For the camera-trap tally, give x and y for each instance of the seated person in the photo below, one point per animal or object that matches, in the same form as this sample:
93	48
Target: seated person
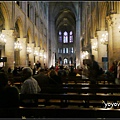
62	72
29	86
54	79
42	78
9	95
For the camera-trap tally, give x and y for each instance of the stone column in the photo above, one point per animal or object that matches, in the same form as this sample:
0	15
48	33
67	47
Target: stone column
42	58
115	20
9	48
102	49
94	52
31	55
53	43
23	52
37	56
77	48
110	42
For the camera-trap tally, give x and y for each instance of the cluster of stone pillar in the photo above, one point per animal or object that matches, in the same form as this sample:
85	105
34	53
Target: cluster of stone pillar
19	58
110	49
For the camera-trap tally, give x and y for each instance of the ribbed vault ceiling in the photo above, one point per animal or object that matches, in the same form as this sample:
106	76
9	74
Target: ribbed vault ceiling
65	20
64	13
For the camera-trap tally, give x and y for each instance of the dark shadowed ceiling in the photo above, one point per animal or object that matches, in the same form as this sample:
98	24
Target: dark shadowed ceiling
64	14
65	20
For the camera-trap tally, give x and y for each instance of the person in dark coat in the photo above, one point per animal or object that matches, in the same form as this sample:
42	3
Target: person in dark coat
9	95
93	69
54	78
41	78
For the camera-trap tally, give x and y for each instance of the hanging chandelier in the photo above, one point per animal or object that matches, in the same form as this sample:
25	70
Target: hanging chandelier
36	53
40	54
84	54
29	50
95	46
17	46
104	39
2	39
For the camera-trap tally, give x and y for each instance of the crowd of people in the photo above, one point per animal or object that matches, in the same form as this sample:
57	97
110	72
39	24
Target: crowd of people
33	83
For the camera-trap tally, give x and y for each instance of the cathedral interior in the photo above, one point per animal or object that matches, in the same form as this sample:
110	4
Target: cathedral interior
59	33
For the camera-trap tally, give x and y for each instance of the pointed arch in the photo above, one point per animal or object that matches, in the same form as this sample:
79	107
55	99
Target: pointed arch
20	25
6	15
29	35
36	40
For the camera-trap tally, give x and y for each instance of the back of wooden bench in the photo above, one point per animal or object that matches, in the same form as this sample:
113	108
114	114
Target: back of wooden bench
64	100
93	90
79	79
51	112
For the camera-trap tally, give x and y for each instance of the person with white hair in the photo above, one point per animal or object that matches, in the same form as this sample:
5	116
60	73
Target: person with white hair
30	85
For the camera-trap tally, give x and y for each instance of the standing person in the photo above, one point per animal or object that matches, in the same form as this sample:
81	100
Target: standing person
117	81
113	70
9	70
93	70
29	64
38	66
56	68
61	72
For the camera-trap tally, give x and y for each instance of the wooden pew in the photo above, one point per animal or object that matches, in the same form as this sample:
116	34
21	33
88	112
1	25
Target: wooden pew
82	84
79	79
18	84
74	87
90	85
51	112
64	100
80	90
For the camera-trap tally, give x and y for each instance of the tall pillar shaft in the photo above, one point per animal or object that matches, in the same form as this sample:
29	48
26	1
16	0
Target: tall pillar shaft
42	58
9	48
77	43
110	42
94	52
31	55
102	49
53	43
115	18
37	56
23	52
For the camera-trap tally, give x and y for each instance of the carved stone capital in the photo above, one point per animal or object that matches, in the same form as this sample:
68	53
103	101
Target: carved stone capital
113	19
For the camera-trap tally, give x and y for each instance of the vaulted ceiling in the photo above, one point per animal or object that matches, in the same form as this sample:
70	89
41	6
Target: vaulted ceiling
65	20
64	14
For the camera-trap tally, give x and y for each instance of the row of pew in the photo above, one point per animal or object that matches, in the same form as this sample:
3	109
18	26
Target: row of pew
75	98
62	105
